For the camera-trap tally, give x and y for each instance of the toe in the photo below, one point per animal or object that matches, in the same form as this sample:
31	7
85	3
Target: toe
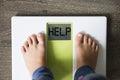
41	38
23	49
26	45
79	39
89	41
29	41
85	39
94	45
34	39
97	48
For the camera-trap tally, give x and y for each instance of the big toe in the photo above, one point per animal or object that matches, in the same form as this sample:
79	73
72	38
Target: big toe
41	38
79	39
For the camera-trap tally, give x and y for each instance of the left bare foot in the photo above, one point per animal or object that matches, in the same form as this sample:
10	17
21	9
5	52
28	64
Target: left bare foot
33	51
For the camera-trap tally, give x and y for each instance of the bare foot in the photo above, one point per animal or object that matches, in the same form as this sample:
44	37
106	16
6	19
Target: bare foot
86	51
33	51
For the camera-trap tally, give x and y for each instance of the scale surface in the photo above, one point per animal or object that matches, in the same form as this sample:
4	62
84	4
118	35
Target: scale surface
60	34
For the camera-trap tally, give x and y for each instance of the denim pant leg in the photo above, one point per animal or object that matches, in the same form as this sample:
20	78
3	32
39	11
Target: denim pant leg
94	76
42	73
86	73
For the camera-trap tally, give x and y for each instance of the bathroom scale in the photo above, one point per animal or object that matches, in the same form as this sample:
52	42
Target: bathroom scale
60	32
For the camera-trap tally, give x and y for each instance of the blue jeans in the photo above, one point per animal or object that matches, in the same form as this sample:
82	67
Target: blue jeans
83	73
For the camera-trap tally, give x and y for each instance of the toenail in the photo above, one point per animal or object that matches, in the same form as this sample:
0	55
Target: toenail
79	35
39	34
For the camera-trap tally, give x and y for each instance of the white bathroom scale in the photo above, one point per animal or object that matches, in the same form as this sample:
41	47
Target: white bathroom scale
60	32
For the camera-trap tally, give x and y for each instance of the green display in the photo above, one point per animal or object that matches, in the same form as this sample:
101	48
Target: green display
59	31
60	50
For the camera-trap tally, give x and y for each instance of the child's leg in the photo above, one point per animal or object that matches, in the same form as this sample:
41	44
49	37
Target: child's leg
42	73
87	73
34	56
86	53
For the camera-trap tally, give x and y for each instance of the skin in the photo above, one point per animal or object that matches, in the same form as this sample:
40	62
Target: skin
33	51
86	51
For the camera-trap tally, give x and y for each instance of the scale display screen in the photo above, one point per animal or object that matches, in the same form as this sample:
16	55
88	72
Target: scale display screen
59	31
60	49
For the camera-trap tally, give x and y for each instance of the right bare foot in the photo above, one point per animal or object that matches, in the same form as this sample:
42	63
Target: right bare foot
86	51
